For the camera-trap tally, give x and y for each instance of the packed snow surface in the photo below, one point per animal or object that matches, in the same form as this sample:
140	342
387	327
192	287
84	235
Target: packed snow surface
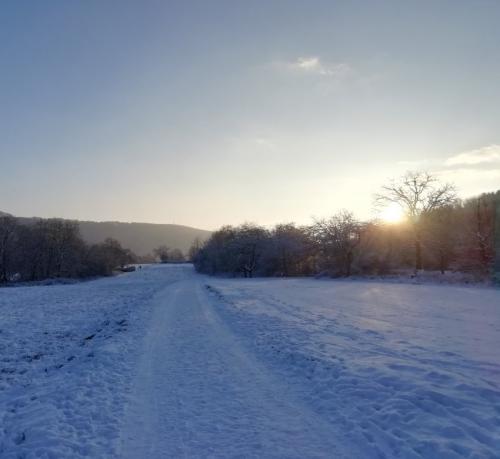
164	363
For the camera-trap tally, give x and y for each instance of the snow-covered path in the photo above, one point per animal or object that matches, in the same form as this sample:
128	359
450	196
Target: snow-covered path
199	393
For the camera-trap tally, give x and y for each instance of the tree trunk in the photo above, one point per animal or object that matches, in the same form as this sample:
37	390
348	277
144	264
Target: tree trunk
284	264
3	259
442	262
349	260
3	267
418	255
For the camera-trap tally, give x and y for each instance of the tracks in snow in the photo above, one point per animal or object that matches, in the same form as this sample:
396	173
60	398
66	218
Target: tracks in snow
199	393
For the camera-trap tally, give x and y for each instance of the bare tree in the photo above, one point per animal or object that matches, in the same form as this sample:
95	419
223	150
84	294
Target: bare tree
484	230
289	250
65	246
478	233
233	250
337	239
417	193
496	267
163	253
105	257
194	249
439	228
8	227
248	247
176	256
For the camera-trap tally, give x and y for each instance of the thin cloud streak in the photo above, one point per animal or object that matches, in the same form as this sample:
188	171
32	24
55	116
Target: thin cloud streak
314	65
488	154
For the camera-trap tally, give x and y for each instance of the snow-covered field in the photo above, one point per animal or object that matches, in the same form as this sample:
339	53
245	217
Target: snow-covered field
67	355
402	370
165	363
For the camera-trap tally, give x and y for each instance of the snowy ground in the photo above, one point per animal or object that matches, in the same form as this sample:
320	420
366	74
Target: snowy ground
165	363
401	370
67	356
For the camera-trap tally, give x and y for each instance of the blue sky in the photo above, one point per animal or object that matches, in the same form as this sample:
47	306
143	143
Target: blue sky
205	113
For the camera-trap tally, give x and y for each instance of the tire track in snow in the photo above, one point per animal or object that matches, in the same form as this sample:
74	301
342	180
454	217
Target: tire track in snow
198	393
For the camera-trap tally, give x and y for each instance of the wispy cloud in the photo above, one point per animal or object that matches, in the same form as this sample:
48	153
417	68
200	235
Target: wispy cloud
485	155
470	181
474	171
307	63
314	65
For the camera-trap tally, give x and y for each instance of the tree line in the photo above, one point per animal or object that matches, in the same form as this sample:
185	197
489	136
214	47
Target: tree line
438	232
53	248
165	254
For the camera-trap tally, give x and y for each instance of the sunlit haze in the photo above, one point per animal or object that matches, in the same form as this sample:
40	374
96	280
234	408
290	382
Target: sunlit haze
211	113
392	213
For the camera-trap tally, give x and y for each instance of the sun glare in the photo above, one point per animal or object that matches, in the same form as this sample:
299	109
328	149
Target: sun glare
392	214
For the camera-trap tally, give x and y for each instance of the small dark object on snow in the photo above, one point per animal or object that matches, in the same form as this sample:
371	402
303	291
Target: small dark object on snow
127	269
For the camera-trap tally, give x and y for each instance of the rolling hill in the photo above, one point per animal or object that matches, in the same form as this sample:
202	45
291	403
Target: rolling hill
141	238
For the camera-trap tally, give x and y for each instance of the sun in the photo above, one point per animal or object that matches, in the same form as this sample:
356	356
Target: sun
392	213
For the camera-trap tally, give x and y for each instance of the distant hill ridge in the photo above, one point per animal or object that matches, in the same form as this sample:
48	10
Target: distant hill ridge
141	238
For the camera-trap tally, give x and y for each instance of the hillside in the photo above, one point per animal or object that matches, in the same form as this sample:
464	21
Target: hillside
141	238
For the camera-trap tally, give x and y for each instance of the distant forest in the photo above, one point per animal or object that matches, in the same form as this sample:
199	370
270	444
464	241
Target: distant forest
53	248
438	232
38	249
